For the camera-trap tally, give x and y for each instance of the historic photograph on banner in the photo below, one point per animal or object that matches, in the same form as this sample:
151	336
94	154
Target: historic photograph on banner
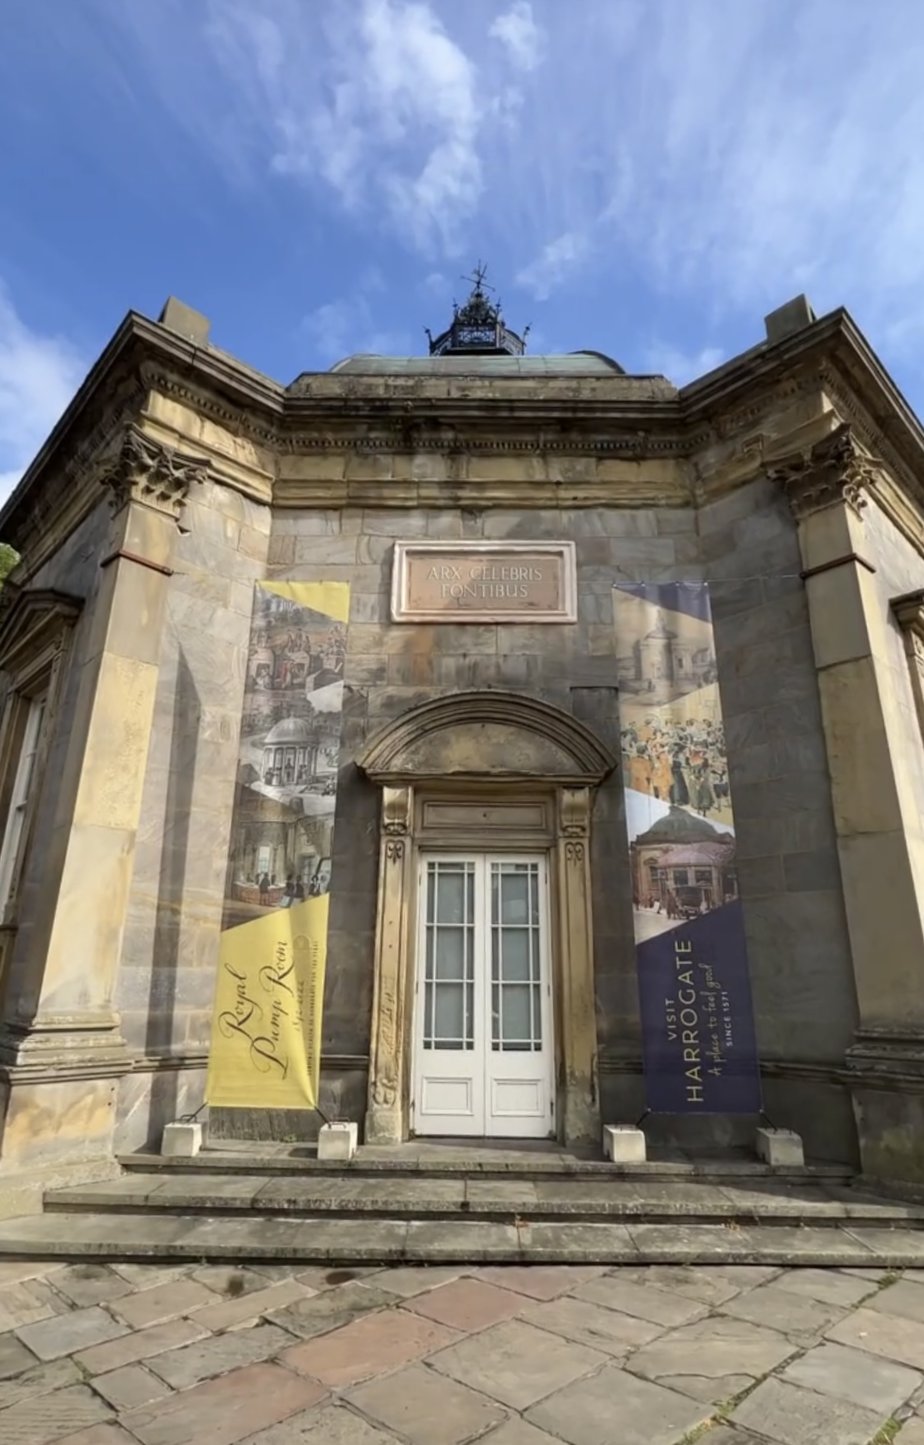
697	1022
267	1019
290	745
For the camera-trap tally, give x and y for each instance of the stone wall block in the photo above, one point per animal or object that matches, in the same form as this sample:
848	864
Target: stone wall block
318	551
374	577
800	975
472	638
552	641
524	468
445	525
763	875
592	551
376	551
596	608
631	553
133	630
571	469
281	552
254	543
369	607
674	521
803	830
812	872
365	671
529	525
400	522
746	501
306	522
210	525
314	466
763	527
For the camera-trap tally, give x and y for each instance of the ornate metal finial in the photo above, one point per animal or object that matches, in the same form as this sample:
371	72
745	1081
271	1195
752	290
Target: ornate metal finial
477	278
478	327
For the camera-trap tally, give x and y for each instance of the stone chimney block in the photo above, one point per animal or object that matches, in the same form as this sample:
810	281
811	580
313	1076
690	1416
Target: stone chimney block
787	320
179	317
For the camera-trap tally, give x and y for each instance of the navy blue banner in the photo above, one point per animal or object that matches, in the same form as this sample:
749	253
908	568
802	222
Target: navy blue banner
699	1047
698	1041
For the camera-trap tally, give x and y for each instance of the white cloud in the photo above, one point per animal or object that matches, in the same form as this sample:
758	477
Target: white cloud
517	30
554	264
346	325
720	157
679	365
375	99
38	377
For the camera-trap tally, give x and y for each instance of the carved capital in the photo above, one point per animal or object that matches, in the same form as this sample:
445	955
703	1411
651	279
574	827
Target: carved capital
396	811
146	471
833	471
574	812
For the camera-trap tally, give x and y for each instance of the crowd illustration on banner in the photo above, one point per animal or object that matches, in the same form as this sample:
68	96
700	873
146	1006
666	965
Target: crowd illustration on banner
681	762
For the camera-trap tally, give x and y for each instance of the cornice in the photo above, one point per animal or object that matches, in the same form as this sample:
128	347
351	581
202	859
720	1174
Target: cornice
345	417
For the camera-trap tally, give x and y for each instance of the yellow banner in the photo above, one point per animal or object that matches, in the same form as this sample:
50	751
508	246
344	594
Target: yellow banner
266	1029
331	598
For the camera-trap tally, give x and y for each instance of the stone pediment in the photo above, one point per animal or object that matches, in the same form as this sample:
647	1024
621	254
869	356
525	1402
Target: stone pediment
498	735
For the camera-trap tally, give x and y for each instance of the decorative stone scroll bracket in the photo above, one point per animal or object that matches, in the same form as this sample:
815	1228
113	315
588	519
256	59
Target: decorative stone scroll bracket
908	612
157	476
833	470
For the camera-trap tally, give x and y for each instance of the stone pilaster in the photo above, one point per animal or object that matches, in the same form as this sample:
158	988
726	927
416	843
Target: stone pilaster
60	1047
578	1099
388	1053
882	889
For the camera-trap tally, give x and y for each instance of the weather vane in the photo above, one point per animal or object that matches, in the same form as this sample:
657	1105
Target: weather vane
477	279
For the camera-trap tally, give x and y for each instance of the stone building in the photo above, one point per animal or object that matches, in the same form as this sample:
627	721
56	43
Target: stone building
477	747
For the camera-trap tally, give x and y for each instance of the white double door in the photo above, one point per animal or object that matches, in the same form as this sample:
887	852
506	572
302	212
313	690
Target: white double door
483	1054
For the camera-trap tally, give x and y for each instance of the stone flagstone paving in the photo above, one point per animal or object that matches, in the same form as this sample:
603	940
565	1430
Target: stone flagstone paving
130	1354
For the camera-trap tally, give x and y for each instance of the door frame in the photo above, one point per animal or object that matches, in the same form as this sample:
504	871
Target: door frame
487	857
490	770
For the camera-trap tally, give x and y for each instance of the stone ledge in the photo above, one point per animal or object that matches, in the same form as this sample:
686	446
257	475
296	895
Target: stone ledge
497	1201
176	1237
255	1157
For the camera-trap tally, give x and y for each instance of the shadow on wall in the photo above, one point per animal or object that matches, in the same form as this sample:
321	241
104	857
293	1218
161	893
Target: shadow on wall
160	1045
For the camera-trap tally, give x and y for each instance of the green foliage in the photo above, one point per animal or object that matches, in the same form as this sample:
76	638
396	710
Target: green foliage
887	1434
8	560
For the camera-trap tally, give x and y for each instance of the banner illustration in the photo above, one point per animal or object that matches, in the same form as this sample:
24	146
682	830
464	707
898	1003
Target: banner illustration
266	1024
698	1040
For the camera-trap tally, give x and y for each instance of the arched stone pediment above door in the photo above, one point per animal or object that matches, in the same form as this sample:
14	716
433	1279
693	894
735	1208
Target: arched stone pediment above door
502	736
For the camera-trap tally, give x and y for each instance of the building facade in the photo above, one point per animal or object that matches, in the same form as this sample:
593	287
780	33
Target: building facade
444	764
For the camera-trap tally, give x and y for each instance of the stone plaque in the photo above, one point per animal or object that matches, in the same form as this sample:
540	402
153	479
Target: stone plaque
483	582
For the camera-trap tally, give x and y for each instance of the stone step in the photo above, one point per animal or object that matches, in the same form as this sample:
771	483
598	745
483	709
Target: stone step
486	1163
499	1200
147	1235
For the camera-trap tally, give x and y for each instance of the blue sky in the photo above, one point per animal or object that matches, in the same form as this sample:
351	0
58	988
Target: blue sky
644	177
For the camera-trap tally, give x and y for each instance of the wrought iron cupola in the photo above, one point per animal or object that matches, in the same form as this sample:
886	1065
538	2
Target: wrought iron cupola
478	327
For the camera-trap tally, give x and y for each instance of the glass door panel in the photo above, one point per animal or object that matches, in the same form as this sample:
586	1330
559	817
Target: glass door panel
449	978
516	961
